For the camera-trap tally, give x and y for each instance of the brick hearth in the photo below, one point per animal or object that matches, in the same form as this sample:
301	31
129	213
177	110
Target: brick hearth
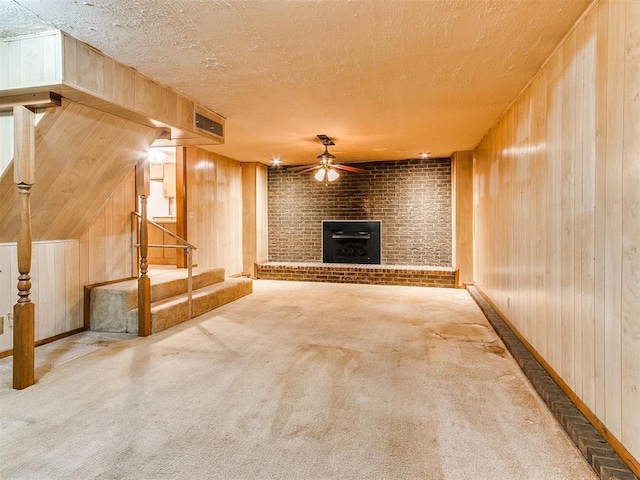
422	276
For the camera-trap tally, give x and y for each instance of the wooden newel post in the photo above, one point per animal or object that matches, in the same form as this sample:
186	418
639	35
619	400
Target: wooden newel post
144	282
24	310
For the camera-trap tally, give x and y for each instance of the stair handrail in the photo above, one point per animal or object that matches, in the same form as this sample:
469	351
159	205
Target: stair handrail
177	237
188	249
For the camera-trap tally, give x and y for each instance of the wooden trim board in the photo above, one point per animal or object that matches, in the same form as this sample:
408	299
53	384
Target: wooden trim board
622	452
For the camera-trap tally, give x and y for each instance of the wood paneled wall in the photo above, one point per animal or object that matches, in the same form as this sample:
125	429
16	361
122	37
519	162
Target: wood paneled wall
82	154
262	214
254	216
31	60
462	213
214	210
6	140
557	215
105	247
56	289
162	256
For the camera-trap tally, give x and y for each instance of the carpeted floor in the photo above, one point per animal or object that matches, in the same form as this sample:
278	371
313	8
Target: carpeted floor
296	381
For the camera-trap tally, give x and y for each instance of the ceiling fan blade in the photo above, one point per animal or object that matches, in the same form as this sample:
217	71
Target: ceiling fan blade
302	168
350	169
309	169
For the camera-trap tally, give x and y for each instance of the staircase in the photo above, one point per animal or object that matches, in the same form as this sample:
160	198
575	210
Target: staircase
114	308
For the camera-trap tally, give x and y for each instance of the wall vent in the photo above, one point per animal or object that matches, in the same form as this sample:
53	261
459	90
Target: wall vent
209	125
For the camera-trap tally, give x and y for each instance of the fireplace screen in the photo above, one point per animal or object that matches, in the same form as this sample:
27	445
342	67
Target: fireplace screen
351	242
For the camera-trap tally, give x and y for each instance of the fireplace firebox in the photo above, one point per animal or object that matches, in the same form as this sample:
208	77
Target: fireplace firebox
351	241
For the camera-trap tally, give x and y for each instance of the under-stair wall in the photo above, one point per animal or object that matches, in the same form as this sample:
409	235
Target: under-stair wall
60	269
557	216
105	246
82	154
81	204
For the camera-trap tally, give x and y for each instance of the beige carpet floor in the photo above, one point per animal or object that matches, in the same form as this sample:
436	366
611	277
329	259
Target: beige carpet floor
296	381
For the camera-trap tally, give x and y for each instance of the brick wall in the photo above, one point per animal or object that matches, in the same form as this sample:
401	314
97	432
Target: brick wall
412	198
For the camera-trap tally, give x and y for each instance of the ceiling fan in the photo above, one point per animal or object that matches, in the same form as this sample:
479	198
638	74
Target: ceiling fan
327	171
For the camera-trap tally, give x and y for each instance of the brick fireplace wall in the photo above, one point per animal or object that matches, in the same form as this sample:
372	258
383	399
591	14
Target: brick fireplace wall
412	198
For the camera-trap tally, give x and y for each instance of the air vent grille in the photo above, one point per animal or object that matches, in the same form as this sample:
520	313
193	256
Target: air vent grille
209	125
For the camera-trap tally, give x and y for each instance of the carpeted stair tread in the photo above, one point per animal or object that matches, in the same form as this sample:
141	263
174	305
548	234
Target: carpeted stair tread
111	304
162	289
174	310
197	293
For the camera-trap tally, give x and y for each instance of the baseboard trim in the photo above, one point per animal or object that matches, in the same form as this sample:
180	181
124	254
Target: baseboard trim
621	466
44	341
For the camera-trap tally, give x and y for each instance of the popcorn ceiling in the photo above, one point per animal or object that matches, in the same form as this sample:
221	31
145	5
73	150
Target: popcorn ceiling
386	79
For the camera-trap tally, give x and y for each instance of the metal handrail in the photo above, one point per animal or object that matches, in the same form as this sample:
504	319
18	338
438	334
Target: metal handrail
180	239
188	249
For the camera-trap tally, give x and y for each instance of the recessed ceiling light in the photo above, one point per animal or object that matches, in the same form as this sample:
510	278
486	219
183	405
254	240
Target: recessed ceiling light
275	160
425	154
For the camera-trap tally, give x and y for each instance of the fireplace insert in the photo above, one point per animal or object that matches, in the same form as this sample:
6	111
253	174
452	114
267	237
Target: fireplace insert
351	241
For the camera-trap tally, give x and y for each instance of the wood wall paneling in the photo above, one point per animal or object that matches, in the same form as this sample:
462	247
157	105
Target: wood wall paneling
56	289
613	218
462	213
262	247
30	60
214	209
4	63
630	342
249	218
6	140
600	212
8	291
133	143
557	217
254	216
585	323
181	203
162	256
82	154
106	247
120	90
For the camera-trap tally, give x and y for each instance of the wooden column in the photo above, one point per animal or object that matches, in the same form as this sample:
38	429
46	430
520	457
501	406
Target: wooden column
462	211
144	282
24	310
181	203
254	216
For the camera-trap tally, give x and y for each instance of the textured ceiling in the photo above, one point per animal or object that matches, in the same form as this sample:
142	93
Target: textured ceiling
387	79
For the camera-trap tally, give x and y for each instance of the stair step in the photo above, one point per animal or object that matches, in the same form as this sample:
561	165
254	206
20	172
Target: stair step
165	287
174	310
111	303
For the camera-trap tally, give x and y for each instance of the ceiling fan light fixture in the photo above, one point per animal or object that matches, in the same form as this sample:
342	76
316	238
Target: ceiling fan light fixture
332	175
327	171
